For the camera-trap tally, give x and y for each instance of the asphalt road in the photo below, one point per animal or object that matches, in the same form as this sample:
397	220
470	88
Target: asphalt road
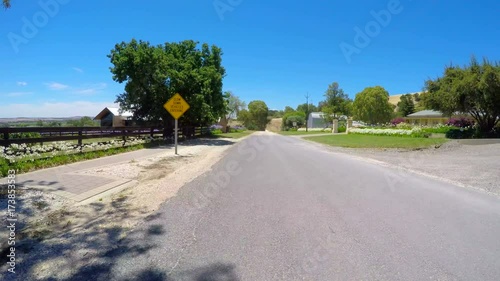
281	208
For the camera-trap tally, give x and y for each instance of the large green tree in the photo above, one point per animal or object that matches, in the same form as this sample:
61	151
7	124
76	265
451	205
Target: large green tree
372	106
472	89
255	118
307	108
153	74
406	106
336	103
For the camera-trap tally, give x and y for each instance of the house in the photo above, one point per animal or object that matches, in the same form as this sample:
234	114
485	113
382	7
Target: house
426	118
111	117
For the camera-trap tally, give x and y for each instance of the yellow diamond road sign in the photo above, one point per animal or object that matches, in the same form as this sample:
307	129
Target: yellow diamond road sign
176	106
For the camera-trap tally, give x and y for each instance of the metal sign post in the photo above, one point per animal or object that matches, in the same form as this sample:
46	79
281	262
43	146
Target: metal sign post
176	106
176	134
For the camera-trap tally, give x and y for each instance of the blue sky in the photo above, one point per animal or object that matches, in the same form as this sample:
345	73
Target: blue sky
276	51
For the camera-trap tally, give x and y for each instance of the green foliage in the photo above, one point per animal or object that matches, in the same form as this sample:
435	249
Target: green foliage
24	135
460	133
83	122
299	121
416	97
43	163
153	74
473	89
255	118
276	113
307	108
371	141
372	106
290	117
234	105
336	103
439	129
406	106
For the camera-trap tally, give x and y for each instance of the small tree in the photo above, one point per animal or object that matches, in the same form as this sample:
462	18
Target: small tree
336	103
255	118
372	106
406	106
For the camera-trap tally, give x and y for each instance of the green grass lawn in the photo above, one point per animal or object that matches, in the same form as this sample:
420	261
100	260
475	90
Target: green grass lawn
367	141
299	133
237	135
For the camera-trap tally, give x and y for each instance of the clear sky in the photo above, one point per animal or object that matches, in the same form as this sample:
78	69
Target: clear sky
54	58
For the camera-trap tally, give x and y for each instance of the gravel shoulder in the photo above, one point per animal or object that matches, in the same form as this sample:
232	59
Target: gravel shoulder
471	166
62	236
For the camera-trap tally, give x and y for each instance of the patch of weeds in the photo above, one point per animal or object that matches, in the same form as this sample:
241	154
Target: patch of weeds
56	216
39	233
41	205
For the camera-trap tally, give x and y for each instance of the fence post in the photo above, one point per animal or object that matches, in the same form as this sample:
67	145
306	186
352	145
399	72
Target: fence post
6	138
80	137
123	137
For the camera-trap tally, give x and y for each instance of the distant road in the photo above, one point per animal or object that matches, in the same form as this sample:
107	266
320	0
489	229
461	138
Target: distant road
292	210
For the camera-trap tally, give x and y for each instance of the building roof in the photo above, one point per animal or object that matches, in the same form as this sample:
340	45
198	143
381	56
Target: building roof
316	115
113	110
426	114
319	115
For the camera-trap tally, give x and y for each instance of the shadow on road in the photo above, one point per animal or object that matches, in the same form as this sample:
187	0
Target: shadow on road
91	252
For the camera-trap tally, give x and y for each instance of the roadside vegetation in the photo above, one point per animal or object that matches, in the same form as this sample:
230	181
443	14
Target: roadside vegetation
303	132
232	134
25	158
372	141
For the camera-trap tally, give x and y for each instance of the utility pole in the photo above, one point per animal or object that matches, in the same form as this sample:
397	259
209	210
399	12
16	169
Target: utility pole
307	110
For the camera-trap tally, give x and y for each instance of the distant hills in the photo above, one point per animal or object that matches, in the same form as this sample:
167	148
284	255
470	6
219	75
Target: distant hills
35	119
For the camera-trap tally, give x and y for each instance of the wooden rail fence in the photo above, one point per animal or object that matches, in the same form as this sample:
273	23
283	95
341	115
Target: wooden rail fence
9	136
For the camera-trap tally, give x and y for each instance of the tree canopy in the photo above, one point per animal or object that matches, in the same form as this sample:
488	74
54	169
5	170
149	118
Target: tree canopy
406	106
255	118
473	89
307	108
372	106
336	103
234	105
153	74
6	4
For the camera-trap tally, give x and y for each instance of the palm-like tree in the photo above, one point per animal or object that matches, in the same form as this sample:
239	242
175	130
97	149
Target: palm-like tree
6	4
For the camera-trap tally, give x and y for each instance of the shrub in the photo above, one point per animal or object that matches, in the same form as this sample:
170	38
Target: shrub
439	129
216	131
460	122
397	121
460	133
342	129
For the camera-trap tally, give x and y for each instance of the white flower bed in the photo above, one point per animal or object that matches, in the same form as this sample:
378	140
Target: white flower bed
18	152
385	132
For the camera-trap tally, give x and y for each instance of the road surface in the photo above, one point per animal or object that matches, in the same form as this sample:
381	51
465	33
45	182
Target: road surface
281	208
